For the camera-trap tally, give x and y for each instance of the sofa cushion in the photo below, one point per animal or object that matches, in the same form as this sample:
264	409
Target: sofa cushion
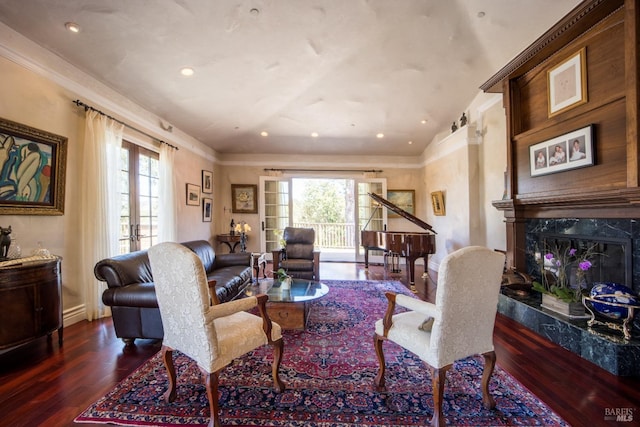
230	281
205	252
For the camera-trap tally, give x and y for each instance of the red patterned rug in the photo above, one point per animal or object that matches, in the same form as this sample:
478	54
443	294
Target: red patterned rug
329	371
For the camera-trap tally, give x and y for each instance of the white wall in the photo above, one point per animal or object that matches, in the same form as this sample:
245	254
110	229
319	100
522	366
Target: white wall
468	166
41	97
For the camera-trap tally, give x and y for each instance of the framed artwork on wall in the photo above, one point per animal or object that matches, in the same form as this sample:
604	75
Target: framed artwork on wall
207	205
193	195
207	182
565	152
404	199
32	170
437	201
567	83
244	198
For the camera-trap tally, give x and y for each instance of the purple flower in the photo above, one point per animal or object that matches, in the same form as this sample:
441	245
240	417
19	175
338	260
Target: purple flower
585	265
572	251
549	256
558	263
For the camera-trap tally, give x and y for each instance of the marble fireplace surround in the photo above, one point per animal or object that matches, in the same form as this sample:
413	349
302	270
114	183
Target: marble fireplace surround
601	346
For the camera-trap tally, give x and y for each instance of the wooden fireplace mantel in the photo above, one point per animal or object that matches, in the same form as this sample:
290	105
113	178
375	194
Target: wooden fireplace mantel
607	30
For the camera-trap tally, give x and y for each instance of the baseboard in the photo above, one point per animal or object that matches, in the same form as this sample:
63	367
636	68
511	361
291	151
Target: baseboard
74	315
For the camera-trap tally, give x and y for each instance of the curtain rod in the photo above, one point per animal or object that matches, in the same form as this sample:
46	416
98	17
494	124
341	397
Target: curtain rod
320	170
89	107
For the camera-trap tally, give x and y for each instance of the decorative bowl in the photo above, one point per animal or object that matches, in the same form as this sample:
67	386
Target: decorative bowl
604	293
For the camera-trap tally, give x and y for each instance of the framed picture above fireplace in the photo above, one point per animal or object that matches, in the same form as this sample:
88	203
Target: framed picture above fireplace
565	152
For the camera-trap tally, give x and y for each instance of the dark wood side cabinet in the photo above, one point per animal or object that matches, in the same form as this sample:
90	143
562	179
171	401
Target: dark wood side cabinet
30	302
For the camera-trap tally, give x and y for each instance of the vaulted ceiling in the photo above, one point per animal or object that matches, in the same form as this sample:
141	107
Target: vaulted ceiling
344	69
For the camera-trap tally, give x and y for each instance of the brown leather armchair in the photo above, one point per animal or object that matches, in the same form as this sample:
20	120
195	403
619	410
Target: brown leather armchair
299	259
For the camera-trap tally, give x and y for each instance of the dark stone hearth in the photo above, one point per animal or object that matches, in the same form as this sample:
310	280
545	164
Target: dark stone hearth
602	346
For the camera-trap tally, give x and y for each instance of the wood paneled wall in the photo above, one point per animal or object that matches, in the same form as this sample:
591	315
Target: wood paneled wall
608	31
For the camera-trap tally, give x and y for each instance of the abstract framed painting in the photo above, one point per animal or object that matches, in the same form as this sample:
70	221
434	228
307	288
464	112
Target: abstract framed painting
32	170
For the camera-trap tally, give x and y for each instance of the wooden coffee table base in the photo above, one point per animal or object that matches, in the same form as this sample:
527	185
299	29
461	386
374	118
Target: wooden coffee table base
289	315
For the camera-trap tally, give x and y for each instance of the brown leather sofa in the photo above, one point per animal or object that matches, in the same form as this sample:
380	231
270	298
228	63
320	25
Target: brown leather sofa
131	292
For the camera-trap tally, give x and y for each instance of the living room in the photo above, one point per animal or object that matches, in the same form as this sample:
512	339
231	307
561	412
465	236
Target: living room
470	165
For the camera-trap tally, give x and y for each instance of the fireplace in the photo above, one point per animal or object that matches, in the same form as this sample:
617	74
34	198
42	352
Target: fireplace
617	241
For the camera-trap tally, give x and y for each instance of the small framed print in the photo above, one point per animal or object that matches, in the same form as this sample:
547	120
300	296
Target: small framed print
193	195
565	152
437	201
207	205
244	198
567	83
207	182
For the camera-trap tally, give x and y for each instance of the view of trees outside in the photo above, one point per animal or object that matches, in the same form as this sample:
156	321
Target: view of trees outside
320	202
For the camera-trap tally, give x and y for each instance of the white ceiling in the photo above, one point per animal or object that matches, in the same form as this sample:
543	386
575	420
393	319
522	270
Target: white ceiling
346	69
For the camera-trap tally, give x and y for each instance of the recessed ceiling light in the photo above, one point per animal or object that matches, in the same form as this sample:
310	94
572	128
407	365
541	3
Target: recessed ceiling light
423	122
254	11
72	26
187	71
380	135
264	133
410	142
314	134
481	14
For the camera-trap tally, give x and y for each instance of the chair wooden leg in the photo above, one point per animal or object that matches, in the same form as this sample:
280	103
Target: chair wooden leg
167	357
211	384
489	365
379	380
439	376
275	366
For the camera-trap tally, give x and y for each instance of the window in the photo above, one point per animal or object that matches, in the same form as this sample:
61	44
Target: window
139	192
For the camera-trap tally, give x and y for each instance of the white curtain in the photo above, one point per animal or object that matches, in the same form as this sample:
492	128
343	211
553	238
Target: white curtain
99	205
168	212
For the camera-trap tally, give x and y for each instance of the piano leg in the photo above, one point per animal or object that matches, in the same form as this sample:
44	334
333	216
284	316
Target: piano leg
411	272
366	258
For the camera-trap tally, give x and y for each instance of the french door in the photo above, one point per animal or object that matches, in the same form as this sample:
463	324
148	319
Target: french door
277	212
139	196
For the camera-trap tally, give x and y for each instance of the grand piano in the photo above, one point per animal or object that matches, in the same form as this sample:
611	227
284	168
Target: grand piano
409	245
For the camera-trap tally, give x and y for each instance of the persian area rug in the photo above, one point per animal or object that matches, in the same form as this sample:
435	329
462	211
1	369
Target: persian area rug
329	371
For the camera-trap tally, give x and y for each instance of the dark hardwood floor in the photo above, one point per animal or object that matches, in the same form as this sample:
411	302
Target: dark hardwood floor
44	385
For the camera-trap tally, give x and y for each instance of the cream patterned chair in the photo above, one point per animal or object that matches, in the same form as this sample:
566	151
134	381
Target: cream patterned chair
458	325
212	335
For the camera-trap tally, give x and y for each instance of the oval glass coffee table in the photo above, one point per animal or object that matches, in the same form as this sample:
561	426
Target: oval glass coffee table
289	307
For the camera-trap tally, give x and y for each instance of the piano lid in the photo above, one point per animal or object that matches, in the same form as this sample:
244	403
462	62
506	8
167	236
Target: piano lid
401	212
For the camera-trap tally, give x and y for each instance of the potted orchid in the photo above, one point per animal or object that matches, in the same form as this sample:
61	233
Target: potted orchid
563	271
283	278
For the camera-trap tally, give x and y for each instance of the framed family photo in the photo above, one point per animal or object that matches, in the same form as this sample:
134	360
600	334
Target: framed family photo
567	83
32	170
565	152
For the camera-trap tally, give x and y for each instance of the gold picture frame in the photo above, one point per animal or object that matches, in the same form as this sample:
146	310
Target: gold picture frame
437	201
567	83
41	158
404	199
244	198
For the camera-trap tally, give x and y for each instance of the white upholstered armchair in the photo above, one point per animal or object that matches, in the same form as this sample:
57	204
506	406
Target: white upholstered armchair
458	325
212	335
